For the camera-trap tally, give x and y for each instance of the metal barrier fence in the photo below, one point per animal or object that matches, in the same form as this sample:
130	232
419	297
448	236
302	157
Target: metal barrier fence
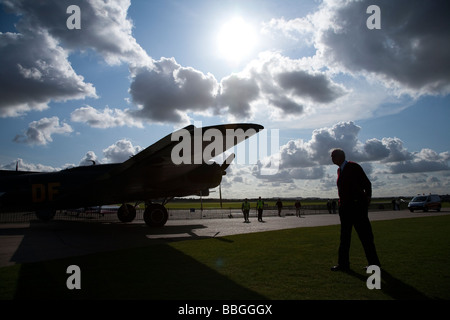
110	215
174	214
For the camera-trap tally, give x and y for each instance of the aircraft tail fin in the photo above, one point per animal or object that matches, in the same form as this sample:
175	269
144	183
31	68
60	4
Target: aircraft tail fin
160	152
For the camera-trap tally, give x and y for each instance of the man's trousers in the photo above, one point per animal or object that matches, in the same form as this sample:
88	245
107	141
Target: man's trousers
355	215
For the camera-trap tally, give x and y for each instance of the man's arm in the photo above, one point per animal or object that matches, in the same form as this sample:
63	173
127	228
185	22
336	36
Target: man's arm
366	185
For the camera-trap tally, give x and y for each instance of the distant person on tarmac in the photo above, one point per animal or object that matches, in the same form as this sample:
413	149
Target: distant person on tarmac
333	206
329	206
260	208
246	210
279	205
298	207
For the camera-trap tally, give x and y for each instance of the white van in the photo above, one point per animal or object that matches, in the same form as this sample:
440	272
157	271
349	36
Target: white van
425	203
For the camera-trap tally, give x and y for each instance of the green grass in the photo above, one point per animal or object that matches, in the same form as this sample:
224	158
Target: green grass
283	265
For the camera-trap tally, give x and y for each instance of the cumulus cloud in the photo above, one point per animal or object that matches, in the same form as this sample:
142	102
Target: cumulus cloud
120	151
299	159
409	52
237	93
35	67
291	84
396	150
163	90
105	27
89	159
108	118
22	165
313	86
34	71
426	160
167	90
40	132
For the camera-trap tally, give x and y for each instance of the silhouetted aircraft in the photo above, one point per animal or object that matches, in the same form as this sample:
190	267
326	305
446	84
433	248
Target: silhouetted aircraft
177	165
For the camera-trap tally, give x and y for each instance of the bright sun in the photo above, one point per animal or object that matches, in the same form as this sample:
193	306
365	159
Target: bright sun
236	40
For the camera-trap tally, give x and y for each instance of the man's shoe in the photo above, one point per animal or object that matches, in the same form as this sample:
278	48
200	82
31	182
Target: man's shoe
340	268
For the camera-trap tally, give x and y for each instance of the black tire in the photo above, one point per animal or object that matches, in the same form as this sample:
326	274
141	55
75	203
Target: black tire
155	215
46	214
126	213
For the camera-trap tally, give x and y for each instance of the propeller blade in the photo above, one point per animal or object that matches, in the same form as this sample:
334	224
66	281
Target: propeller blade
227	163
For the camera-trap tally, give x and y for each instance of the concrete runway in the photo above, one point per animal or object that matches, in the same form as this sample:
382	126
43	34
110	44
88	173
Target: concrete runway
39	241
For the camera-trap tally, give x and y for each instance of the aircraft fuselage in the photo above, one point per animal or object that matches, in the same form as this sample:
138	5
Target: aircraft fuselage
91	186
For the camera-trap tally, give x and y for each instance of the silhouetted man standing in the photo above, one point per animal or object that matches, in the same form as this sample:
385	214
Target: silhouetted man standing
355	193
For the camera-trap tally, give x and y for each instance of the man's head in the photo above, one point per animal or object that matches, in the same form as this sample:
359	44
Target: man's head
337	156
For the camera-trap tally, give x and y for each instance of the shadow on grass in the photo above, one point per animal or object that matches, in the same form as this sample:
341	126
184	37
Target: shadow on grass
144	268
399	290
393	287
156	272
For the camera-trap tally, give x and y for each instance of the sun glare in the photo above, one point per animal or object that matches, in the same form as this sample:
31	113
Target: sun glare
236	40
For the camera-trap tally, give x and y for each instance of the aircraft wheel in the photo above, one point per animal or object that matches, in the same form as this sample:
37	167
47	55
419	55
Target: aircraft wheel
155	215
126	213
45	215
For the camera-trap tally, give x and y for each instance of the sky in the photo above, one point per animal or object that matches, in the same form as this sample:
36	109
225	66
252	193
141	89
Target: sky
107	79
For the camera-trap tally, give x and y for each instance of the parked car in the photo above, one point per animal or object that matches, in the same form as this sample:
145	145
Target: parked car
425	203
